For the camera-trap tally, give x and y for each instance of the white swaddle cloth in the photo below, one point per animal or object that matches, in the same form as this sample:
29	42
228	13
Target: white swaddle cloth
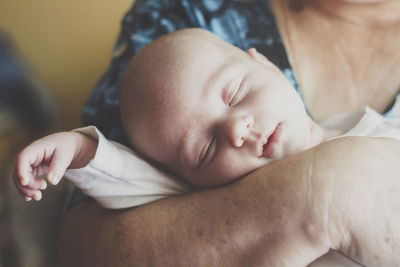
117	177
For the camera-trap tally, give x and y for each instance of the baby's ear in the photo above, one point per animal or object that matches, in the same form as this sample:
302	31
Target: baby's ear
254	54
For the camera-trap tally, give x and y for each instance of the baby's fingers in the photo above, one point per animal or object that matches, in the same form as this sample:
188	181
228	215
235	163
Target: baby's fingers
29	193
23	171
21	177
58	165
37	184
32	188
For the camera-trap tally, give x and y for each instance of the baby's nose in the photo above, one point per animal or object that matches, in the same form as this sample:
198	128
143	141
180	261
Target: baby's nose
238	129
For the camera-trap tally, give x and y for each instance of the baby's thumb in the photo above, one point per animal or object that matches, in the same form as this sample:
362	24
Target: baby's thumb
58	165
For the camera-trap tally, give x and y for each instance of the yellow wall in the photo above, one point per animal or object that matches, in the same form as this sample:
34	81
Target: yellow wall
67	44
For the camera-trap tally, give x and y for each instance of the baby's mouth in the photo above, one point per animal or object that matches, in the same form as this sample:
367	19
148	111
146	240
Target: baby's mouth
272	142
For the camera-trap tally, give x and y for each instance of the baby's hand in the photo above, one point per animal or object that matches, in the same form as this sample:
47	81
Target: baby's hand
52	154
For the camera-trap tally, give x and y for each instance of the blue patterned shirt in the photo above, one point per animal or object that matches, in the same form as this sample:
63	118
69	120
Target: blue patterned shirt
243	23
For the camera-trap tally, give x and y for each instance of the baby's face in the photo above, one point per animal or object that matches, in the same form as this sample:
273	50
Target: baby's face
219	114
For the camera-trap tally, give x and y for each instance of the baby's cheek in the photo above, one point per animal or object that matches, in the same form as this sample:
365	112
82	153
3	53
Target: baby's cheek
215	175
229	171
225	168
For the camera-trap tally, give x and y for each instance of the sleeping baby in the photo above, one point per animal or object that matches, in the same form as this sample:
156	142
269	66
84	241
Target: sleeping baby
198	113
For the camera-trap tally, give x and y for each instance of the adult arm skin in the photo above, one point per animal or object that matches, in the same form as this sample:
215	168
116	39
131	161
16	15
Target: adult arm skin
286	214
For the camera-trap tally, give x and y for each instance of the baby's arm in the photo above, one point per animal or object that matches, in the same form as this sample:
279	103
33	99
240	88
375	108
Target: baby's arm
52	154
117	177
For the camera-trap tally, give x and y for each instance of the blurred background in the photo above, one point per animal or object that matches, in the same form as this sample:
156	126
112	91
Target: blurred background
52	53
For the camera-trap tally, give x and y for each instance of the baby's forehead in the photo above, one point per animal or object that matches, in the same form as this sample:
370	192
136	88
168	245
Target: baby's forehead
163	74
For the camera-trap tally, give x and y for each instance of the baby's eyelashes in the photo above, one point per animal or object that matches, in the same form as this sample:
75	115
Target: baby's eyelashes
209	153
238	95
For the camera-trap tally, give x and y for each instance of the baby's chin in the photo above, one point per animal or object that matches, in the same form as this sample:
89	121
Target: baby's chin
280	154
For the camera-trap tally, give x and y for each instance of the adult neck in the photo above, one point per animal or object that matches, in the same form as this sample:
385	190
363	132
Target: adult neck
375	13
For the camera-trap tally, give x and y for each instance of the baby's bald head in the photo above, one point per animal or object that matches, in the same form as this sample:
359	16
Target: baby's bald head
205	110
154	71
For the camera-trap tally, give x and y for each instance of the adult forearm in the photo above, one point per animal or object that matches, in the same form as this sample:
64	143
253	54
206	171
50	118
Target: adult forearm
364	217
285	214
274	217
